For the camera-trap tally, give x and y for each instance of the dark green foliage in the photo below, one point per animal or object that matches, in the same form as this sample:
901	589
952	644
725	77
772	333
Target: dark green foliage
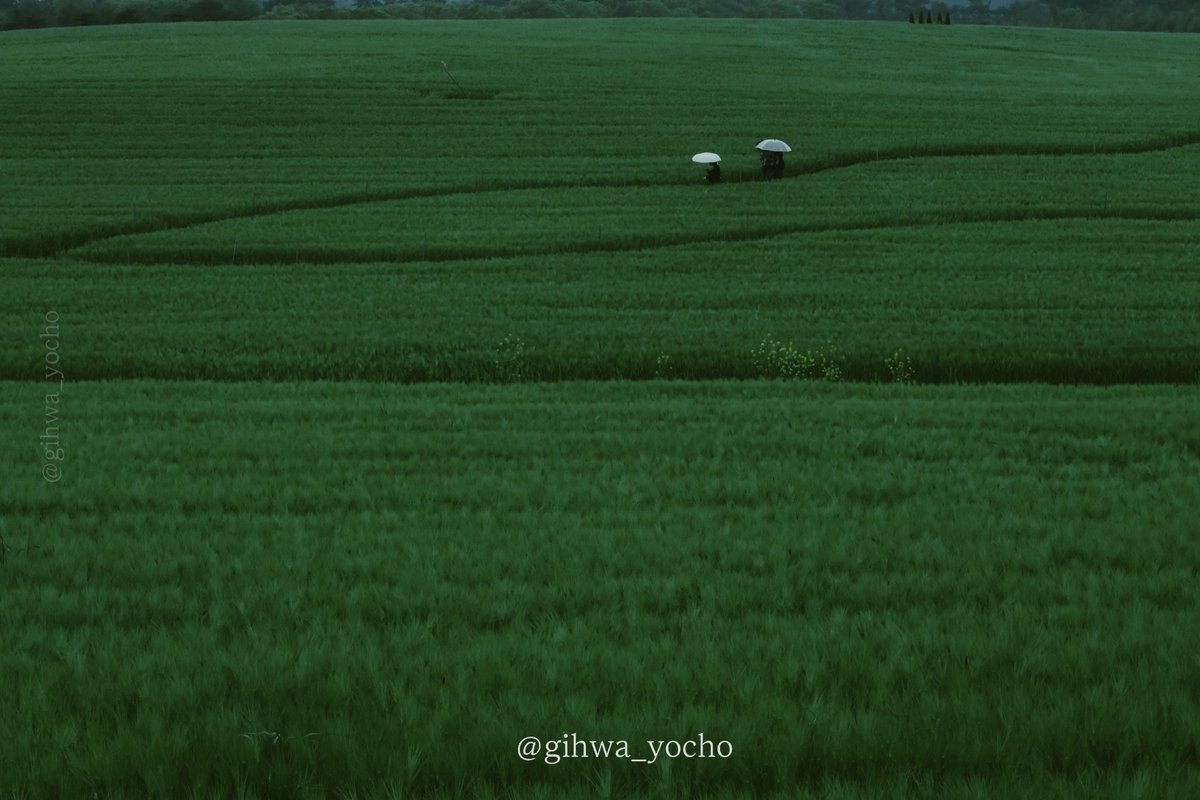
1171	15
128	16
49	13
1168	15
206	11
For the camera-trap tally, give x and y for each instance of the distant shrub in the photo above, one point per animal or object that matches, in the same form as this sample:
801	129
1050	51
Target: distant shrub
534	9
206	11
74	13
130	15
1163	15
318	9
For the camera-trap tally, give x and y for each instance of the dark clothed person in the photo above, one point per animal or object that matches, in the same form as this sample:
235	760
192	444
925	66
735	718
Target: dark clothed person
772	165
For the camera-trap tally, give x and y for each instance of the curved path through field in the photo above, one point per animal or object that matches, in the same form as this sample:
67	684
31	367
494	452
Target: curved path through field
61	244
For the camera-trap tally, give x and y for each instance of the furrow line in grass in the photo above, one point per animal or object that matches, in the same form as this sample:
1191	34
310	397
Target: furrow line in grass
479	367
845	160
61	243
250	257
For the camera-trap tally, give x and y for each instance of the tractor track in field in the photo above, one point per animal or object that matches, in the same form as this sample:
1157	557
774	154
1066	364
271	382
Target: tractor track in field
61	244
251	257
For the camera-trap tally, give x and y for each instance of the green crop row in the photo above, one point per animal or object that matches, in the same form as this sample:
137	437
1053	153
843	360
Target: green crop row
1100	301
297	590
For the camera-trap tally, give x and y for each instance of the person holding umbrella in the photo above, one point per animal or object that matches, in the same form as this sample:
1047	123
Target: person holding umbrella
714	166
772	165
770	157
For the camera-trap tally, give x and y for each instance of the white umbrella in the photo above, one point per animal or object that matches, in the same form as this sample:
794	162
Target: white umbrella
773	146
706	158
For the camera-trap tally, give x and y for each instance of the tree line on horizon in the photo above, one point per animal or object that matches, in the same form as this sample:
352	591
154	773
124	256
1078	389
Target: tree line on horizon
1161	15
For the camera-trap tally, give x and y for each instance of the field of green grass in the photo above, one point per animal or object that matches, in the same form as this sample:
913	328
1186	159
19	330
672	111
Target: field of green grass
403	417
969	589
998	204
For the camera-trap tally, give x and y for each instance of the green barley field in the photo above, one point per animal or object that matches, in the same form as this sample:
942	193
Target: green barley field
376	395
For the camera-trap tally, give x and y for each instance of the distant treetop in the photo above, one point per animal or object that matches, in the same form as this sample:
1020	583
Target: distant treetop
1162	15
